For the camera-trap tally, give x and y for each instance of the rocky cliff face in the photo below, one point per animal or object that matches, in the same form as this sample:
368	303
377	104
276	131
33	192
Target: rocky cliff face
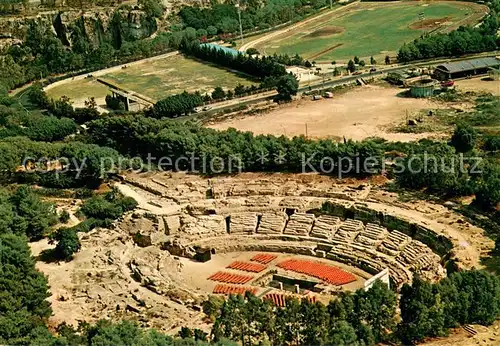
133	25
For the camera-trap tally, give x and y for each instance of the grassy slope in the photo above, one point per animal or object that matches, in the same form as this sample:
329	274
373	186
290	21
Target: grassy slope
373	29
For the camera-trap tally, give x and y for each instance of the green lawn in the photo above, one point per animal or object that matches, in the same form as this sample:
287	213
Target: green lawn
173	75
368	29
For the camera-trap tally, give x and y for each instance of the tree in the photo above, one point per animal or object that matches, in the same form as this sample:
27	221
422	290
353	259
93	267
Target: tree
351	66
67	243
307	64
464	138
252	51
33	217
212	30
377	308
218	93
342	334
334	62
153	8
287	86
200	335
422	312
387	60
362	63
373	61
201	33
356	60
24	290
211	306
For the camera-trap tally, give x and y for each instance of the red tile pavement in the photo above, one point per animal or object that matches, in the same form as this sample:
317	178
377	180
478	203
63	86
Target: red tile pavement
230	278
330	274
246	266
263	258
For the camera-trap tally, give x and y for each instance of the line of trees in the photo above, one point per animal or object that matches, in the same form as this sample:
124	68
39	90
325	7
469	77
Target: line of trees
360	318
254	66
60	165
363	317
176	105
464	40
136	135
428	310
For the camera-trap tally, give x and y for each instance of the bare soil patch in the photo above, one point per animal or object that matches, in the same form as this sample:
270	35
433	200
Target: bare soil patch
431	23
479	84
364	112
326	31
329	49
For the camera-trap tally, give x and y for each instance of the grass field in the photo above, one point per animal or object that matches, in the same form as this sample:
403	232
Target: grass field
161	78
155	79
82	88
367	29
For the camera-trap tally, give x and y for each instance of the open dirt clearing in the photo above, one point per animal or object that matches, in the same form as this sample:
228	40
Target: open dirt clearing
478	84
364	112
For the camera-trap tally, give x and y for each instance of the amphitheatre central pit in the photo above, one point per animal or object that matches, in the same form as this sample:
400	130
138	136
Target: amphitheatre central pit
275	235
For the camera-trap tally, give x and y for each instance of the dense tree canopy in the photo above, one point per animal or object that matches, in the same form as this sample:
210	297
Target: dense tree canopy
360	318
23	212
223	18
23	291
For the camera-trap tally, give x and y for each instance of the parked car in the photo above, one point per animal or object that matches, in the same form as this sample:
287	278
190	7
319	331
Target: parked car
356	73
447	83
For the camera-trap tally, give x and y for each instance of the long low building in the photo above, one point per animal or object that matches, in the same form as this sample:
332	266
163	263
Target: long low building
465	68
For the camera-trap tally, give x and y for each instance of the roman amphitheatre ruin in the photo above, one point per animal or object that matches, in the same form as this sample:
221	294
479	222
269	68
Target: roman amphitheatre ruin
275	235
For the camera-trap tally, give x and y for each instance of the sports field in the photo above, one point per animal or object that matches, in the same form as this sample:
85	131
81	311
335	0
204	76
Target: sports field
371	28
156	79
161	78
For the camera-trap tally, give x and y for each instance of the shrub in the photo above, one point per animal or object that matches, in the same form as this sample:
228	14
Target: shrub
67	243
464	138
64	216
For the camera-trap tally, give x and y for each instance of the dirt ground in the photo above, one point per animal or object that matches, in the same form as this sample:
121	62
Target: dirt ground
478	84
361	113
